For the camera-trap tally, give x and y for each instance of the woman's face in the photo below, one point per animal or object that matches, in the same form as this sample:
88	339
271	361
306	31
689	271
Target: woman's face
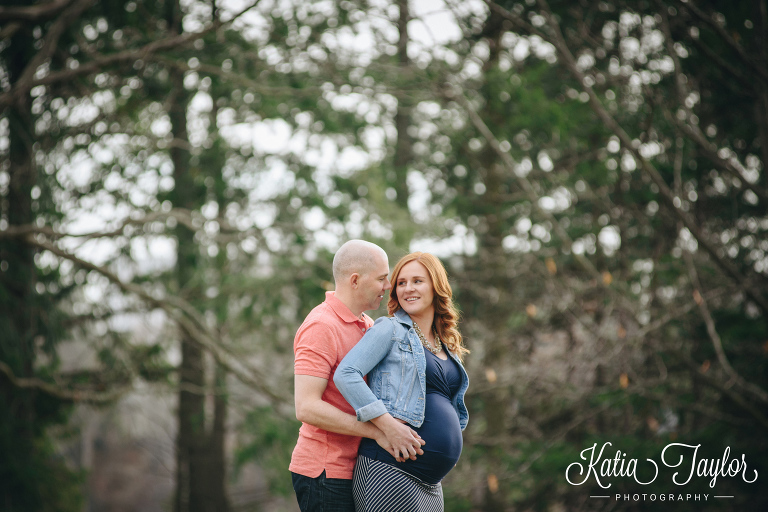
414	289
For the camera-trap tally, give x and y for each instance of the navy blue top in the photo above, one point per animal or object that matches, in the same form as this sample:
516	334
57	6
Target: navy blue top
440	430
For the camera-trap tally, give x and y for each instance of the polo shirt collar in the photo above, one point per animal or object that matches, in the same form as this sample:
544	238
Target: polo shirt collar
341	310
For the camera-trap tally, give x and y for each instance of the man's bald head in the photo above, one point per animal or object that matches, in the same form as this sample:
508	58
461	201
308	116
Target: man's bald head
356	256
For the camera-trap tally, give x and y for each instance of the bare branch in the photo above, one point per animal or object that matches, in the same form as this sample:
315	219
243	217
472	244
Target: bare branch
675	314
32	13
693	131
556	437
73	395
530	191
695	369
555	37
7	31
715	337
757	67
526	185
239	78
50	43
671	398
21	88
182	216
25	83
517	21
709	149
188	319
718	59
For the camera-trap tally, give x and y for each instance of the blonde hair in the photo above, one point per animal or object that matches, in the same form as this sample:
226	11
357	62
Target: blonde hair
446	313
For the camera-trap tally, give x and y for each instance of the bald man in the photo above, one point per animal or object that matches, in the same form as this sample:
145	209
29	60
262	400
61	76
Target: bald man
325	454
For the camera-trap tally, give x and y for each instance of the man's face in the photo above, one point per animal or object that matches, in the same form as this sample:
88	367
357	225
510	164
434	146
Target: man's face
374	284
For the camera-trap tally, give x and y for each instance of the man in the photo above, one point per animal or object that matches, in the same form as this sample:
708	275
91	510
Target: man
325	454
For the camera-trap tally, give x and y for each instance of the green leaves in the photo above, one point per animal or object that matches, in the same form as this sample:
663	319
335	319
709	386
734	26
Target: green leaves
268	441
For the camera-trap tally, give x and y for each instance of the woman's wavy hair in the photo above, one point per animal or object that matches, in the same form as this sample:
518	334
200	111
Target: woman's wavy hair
446	313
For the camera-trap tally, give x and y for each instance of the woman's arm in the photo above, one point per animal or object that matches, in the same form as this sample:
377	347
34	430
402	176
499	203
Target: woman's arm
370	351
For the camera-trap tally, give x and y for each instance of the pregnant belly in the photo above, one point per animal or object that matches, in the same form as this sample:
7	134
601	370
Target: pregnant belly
442	433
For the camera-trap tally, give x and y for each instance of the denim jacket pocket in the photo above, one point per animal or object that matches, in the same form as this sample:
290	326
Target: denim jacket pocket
383	391
404	345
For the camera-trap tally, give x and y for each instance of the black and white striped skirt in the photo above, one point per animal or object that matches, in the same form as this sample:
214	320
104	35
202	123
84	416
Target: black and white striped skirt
381	487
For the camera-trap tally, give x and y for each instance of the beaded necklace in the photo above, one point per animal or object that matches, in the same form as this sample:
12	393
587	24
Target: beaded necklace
425	342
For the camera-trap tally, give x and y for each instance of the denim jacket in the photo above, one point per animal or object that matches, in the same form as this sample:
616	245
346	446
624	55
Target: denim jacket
392	356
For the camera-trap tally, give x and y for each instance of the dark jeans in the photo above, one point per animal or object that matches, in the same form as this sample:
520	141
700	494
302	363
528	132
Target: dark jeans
323	494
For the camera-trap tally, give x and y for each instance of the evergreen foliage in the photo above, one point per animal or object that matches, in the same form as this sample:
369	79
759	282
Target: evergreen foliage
592	173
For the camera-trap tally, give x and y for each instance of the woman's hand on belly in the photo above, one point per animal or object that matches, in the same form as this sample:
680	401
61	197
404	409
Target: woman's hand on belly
400	440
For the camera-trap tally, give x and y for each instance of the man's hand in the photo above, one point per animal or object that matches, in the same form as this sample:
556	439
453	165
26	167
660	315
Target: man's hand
400	440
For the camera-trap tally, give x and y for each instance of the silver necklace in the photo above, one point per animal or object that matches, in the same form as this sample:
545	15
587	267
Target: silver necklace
425	342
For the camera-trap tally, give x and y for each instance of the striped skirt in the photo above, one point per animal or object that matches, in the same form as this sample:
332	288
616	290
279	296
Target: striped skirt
381	487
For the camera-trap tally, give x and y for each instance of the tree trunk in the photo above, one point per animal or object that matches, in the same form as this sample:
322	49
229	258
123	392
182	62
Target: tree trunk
192	463
201	461
217	477
17	264
403	151
191	435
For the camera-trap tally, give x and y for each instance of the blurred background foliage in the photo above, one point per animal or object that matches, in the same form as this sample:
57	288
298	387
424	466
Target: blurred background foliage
176	175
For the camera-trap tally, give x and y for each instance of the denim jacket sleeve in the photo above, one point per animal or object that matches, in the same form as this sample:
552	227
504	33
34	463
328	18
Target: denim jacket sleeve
369	351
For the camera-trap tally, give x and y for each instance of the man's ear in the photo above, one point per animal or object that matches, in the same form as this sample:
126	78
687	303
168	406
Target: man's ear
354	280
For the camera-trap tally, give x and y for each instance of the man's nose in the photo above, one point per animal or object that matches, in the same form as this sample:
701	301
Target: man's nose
387	286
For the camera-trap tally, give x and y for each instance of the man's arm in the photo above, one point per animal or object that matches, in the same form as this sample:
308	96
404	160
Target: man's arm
403	439
312	409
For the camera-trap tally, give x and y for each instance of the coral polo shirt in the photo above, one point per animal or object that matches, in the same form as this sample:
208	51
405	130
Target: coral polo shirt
327	334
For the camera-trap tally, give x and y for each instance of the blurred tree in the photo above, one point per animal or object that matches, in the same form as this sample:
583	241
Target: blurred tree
617	217
72	107
593	174
403	152
31	478
200	466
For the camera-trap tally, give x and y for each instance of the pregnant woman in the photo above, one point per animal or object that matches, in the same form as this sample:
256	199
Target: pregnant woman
413	363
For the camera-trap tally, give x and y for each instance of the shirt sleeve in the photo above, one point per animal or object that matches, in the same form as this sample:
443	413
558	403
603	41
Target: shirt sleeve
369	351
315	351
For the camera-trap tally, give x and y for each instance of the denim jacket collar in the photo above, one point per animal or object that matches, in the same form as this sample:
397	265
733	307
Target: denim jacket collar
403	317
394	359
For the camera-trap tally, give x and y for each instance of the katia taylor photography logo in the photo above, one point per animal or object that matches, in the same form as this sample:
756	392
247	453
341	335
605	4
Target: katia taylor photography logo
604	464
